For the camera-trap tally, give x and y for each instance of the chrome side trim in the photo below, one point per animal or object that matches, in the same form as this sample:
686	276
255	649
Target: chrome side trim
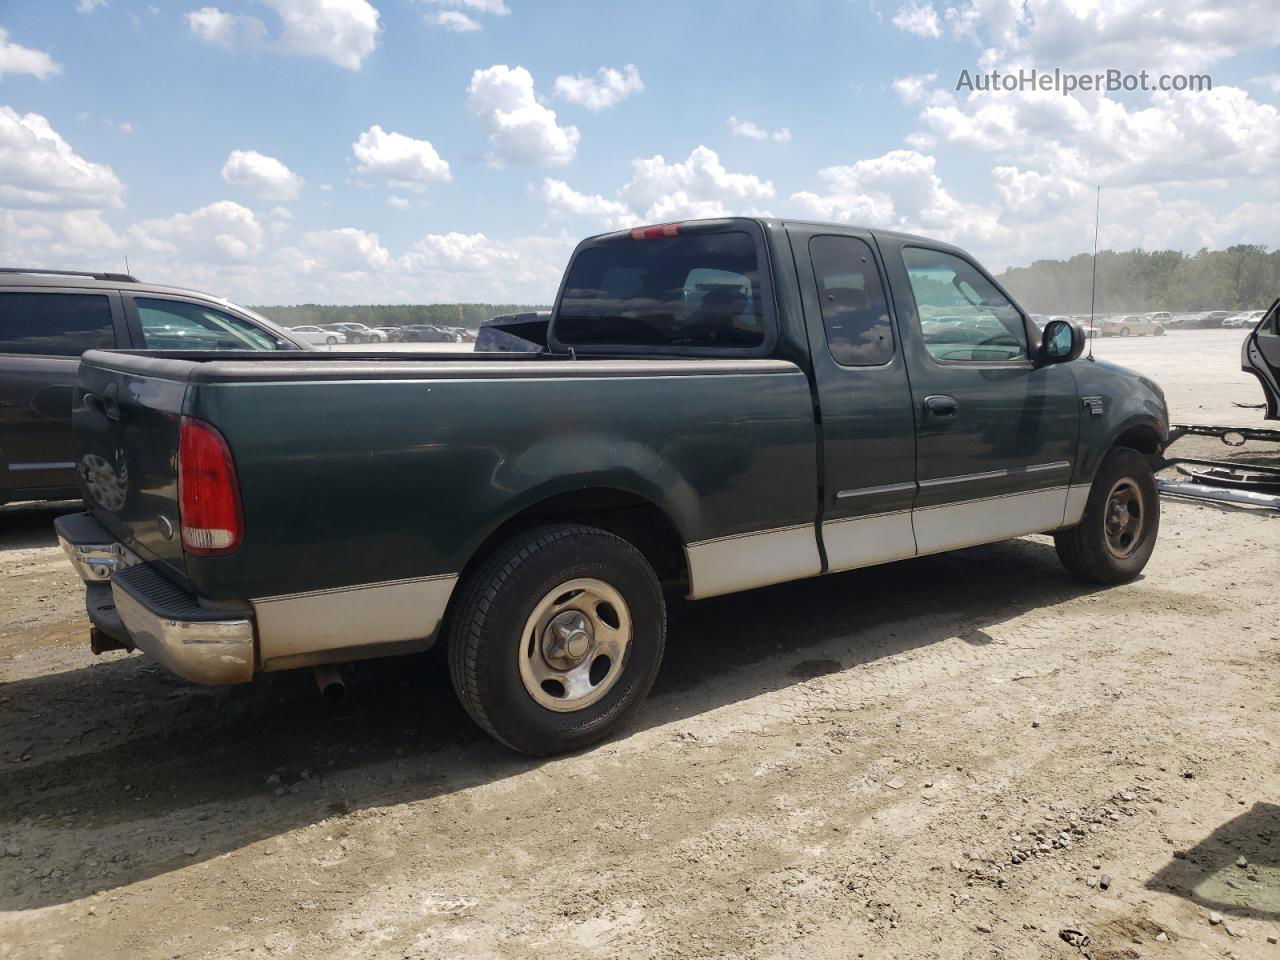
756	559
16	467
329	625
950	526
1077	497
872	491
213	652
854	542
1057	465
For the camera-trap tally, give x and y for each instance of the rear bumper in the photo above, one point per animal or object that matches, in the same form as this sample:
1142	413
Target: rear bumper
154	614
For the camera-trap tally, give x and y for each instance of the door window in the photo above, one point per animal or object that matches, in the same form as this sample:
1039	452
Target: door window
55	324
180	325
963	316
854	312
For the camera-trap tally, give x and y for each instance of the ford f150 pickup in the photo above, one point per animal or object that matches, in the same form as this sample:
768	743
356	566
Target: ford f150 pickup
714	406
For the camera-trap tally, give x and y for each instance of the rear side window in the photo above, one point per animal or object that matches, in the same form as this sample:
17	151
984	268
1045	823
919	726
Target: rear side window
179	325
854	311
55	324
687	290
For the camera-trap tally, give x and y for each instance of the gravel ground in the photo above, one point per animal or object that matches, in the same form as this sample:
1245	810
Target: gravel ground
968	755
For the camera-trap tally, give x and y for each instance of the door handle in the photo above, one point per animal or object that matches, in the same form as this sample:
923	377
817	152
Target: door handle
941	407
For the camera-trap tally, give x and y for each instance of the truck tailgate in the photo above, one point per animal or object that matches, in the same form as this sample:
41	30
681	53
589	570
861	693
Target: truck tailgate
126	432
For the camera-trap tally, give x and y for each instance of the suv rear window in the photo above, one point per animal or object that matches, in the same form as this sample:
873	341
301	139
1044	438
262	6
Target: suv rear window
688	290
55	324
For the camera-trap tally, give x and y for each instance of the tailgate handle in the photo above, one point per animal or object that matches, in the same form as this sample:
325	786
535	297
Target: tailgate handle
111	401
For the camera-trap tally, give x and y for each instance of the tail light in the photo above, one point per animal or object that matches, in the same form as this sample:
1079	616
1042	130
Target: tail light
208	491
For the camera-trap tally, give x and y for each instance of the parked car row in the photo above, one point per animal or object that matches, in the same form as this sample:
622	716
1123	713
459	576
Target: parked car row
1156	323
332	334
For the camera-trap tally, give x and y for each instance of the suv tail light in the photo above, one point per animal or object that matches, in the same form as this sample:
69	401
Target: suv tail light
208	492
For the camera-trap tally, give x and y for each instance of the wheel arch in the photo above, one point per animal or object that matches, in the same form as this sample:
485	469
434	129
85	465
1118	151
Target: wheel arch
626	513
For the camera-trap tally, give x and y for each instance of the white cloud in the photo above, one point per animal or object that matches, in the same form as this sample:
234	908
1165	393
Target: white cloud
455	20
659	191
752	131
1213	134
220	233
39	169
457	15
562	198
397	203
347	250
232	31
17	59
899	190
521	130
606	89
1172	34
264	177
1270	81
88	6
404	162
918	17
917	88
65	239
344	32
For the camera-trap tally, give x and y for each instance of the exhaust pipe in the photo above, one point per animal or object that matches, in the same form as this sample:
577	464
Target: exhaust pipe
330	682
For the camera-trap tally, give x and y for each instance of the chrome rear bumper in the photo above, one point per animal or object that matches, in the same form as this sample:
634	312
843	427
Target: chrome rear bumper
161	619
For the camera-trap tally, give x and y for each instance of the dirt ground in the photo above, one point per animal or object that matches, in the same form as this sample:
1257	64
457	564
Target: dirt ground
956	756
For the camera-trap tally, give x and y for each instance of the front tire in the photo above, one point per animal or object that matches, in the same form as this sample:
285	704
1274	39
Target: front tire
1117	533
557	638
331	341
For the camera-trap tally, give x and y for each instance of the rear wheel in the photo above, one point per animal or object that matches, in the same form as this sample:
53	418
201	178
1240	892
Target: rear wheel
557	638
1124	331
331	341
1115	537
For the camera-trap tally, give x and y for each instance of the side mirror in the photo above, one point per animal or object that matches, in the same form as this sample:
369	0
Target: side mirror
1062	342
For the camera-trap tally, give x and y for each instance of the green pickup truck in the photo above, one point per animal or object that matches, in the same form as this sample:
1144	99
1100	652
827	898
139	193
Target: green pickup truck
712	406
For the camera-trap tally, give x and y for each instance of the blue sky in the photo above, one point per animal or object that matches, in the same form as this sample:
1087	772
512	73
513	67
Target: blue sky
384	154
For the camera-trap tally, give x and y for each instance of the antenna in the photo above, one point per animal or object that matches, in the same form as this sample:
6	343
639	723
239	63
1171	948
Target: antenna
1093	291
126	263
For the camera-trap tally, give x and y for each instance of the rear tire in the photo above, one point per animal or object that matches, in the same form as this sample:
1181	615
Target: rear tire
557	638
331	341
1114	539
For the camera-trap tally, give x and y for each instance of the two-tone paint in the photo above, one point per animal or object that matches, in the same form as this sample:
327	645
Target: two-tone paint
369	485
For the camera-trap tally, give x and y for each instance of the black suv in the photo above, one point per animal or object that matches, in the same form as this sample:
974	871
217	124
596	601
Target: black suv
48	318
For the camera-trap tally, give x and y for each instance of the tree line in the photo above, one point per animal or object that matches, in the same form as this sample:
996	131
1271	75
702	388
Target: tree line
1242	277
393	315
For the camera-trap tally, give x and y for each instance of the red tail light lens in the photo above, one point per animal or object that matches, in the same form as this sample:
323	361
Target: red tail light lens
208	491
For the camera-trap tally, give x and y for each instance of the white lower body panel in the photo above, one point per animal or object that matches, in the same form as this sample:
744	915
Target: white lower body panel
863	541
950	526
749	560
325	626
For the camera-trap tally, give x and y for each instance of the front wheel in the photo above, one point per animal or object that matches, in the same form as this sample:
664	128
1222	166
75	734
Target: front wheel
1117	533
557	638
1124	331
331	341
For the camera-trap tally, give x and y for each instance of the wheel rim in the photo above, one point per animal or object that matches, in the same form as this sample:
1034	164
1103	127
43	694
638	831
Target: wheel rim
1125	518
574	645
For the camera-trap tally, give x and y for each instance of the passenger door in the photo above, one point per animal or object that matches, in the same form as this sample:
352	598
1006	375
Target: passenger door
867	426
996	434
1261	357
42	334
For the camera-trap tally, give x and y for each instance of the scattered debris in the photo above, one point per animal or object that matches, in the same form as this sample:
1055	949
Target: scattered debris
1105	882
1215	918
1162	937
897	783
1076	938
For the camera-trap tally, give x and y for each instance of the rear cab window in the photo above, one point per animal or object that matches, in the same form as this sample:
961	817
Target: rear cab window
681	288
55	324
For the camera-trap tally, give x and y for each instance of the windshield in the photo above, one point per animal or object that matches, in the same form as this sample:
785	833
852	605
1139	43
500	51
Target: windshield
686	290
